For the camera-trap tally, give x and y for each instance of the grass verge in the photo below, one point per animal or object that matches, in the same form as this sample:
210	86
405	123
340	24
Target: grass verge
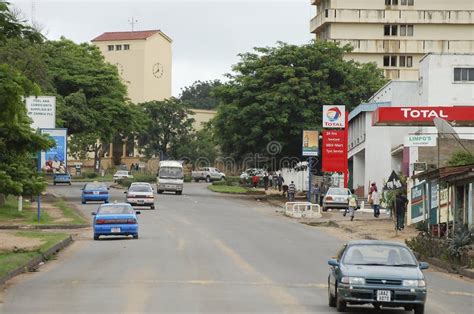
11	260
228	189
9	213
71	213
106	178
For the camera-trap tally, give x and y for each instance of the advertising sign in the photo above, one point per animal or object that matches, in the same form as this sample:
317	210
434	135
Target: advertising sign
463	115
334	151
417	203
334	116
420	140
42	110
55	159
310	143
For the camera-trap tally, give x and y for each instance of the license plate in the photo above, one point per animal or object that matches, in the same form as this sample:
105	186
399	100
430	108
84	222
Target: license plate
115	230
96	192
383	295
171	186
140	201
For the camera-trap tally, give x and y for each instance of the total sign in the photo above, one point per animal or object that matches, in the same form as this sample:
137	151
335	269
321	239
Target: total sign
334	116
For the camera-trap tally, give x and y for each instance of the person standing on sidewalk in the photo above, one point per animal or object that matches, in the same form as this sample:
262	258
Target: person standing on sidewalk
322	194
317	193
374	199
291	192
280	181
352	205
255	180
400	206
265	181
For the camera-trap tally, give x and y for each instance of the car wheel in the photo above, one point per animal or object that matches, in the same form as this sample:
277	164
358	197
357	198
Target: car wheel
83	202
208	179
135	236
152	207
96	237
340	305
420	309
160	191
196	180
332	299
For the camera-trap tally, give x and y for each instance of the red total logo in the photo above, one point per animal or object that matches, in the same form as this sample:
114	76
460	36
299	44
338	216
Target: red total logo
415	113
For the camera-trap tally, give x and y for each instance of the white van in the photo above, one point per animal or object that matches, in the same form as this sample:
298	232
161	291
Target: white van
170	177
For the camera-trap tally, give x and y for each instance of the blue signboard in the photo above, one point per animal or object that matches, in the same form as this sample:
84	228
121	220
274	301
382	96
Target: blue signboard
55	159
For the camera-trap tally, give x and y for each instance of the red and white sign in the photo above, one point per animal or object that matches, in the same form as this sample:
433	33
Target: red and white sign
334	151
334	117
413	116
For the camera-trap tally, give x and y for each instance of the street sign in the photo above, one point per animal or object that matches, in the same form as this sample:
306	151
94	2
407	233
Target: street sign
420	140
419	166
42	110
55	158
334	117
334	151
393	182
310	143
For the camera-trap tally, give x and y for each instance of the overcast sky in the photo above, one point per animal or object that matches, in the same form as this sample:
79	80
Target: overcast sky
207	34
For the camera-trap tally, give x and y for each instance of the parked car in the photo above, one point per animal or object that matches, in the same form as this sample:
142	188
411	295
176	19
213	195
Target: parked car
140	194
115	219
380	273
122	174
208	173
62	178
96	192
336	198
249	173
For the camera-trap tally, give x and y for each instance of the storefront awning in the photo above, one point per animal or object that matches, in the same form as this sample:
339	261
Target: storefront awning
422	116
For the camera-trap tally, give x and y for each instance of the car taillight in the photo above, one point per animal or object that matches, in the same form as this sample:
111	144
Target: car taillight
104	192
88	192
328	198
131	221
150	196
100	221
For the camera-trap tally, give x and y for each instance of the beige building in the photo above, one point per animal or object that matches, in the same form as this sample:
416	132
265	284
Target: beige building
143	59
396	34
201	117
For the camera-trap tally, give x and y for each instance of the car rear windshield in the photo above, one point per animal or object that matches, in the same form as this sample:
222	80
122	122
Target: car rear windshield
140	188
95	186
115	209
171	172
338	191
378	254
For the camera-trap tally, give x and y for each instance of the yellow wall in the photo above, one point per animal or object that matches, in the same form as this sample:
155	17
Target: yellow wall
201	117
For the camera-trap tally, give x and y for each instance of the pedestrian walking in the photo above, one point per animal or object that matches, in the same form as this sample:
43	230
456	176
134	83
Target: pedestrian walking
280	181
316	193
255	180
374	199
291	191
137	167
265	180
270	179
400	207
323	190
132	166
352	205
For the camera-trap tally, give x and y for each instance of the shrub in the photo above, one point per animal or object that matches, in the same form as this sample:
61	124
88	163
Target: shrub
459	243
143	177
219	183
187	178
91	175
232	181
125	182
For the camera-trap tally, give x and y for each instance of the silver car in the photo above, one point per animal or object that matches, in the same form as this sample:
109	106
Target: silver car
141	194
336	198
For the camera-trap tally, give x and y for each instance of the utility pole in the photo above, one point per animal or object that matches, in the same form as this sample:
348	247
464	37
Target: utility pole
132	22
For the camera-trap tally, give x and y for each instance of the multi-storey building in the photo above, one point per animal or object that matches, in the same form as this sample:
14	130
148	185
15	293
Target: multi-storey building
143	59
396	34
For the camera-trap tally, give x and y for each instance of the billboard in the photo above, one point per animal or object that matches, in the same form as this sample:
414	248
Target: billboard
417	203
416	140
42	110
334	151
334	117
55	159
310	143
415	116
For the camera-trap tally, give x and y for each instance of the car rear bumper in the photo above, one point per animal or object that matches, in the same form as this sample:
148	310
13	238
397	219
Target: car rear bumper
141	201
170	187
124	229
335	205
95	198
368	294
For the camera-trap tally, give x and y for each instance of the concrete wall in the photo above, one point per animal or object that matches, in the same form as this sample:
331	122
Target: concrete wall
201	117
446	148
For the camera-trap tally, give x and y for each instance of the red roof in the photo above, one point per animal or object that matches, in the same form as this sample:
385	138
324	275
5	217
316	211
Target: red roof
138	35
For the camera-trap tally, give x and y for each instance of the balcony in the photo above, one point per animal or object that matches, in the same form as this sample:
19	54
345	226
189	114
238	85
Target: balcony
390	16
408	46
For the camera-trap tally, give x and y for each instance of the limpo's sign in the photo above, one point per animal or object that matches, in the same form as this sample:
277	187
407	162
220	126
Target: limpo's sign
410	116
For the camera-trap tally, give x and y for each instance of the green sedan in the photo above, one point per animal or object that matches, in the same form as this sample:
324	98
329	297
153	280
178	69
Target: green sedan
383	274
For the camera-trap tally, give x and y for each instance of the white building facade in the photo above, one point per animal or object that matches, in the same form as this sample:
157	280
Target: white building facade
375	151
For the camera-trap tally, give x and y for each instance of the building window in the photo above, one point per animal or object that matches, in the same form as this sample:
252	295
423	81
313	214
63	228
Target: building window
111	47
464	74
391	2
386	61
406	61
406	30
126	47
407	2
389	61
118	47
390	30
393	61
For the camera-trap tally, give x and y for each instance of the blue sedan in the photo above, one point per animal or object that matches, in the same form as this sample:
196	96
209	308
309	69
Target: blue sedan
96	192
115	219
380	273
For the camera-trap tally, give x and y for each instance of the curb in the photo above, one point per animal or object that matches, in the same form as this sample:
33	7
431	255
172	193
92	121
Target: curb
34	262
41	227
449	267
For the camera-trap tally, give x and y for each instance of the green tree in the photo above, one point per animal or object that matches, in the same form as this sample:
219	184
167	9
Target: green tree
199	95
167	123
92	100
12	27
461	158
276	92
197	146
18	143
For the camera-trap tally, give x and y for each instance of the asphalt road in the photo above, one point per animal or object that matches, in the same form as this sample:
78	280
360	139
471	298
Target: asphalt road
201	252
